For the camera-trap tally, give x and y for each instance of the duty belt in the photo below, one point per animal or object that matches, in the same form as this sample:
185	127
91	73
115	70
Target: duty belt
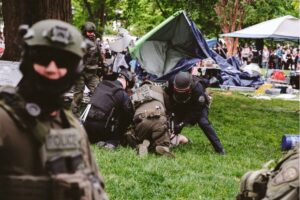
96	114
147	114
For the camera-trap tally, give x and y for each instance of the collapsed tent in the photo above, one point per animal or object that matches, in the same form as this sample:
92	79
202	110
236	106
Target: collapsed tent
175	45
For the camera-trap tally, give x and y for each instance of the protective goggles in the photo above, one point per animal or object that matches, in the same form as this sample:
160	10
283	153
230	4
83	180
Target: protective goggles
63	59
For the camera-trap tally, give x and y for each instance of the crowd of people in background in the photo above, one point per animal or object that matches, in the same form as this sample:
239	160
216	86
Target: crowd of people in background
2	46
282	57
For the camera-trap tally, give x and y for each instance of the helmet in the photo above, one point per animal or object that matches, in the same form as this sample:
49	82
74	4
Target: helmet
89	27
182	86
128	76
56	34
50	40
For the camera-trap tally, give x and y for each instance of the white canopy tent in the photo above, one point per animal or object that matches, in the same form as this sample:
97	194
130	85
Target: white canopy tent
286	27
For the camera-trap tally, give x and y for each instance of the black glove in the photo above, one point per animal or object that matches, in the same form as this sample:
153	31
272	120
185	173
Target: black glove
178	128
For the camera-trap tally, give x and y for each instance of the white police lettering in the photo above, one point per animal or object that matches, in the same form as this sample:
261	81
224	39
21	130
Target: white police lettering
62	139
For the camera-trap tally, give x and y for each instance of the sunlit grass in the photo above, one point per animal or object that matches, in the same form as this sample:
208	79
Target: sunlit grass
250	130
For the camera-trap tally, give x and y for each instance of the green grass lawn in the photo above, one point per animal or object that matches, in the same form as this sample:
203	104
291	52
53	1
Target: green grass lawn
250	131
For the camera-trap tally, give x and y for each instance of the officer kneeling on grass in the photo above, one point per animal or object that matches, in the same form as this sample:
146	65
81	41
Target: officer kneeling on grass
44	152
111	111
190	105
150	120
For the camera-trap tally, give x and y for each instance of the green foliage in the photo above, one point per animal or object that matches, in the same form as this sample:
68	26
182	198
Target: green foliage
250	130
80	14
263	10
140	16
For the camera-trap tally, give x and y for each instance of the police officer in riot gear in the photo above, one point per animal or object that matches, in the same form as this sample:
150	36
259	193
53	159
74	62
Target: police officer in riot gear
190	105
111	111
44	152
91	60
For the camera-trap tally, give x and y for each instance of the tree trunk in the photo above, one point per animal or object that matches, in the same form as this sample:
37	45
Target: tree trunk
17	12
231	15
100	17
13	15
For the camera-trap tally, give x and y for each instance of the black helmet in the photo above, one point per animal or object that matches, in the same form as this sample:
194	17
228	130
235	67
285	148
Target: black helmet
128	76
182	87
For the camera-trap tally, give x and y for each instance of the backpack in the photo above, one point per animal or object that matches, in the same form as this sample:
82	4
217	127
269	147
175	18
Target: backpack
281	183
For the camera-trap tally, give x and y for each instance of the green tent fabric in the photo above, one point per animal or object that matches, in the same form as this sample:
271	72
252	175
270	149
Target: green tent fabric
159	50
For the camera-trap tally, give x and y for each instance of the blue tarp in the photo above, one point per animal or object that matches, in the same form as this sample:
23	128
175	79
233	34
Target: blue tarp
212	42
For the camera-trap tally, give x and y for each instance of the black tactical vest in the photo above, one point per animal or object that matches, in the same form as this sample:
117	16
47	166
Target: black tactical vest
104	100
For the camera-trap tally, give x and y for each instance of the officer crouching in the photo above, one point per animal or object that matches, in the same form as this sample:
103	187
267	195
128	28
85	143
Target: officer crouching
111	111
44	152
190	105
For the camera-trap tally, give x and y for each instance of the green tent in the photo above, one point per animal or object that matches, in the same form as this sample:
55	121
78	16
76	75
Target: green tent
159	50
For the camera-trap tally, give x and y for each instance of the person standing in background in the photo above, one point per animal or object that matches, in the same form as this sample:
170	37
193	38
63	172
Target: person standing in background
91	61
265	57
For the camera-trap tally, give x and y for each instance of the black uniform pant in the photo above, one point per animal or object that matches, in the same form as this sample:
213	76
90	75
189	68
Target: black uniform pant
209	131
97	132
202	119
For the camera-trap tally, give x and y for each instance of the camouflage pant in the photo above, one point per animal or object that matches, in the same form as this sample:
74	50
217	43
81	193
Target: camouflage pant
153	129
88	78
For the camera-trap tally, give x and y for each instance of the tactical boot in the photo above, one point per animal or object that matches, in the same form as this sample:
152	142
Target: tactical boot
100	144
107	145
165	151
222	152
130	139
143	148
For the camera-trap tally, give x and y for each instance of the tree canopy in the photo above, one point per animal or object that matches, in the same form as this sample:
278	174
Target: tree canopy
140	16
211	16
